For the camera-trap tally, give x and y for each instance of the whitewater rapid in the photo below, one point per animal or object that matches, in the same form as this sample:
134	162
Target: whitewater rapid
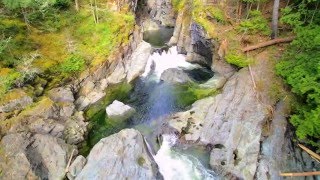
158	62
176	166
173	165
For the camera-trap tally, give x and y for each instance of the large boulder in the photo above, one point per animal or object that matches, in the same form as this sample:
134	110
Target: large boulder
33	157
46	126
16	99
75	129
138	61
48	156
119	111
123	155
61	94
133	66
14	161
175	76
76	167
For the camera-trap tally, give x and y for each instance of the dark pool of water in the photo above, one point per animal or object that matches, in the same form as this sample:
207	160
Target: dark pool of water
158	38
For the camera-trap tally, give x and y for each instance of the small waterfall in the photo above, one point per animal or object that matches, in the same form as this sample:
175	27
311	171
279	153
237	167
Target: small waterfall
176	166
158	62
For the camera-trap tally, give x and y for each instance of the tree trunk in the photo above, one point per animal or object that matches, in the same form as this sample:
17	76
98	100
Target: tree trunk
275	16
314	173
118	5
268	43
93	12
77	4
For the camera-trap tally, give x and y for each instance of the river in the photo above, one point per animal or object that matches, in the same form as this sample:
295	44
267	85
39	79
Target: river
157	101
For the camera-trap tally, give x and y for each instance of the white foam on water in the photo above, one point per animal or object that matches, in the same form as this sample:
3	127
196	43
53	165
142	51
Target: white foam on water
177	166
166	60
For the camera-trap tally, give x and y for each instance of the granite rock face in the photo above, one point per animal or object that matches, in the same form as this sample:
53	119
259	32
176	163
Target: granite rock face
120	156
76	167
138	61
33	157
230	123
192	40
162	11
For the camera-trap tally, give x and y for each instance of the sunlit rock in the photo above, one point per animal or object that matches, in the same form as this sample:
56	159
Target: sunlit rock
120	156
119	111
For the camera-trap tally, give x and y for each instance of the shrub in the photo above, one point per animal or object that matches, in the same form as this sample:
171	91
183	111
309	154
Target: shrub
72	64
14	42
255	24
216	13
8	78
237	59
178	4
62	4
300	69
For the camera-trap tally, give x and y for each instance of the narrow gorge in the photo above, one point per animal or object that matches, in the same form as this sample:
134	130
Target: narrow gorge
166	104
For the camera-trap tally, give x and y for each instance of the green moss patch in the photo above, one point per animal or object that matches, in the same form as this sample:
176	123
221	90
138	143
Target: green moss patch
100	125
238	59
189	93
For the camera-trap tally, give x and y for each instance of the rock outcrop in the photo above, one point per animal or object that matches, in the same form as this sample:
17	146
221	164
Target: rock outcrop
192	40
16	99
278	153
55	116
162	11
119	111
230	123
128	68
33	157
76	167
120	156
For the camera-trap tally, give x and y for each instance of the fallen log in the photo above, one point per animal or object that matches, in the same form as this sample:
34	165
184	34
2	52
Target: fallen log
300	174
69	162
268	43
312	154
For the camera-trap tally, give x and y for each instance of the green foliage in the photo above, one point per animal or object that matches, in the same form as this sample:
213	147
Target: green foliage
216	13
62	4
290	18
35	4
8	79
178	5
14	42
237	59
301	70
301	13
72	64
189	93
99	40
255	24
